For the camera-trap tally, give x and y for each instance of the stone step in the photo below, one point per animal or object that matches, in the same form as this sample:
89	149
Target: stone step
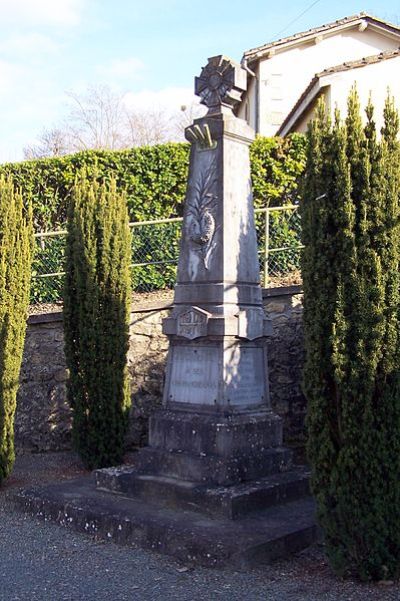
185	535
213	469
231	502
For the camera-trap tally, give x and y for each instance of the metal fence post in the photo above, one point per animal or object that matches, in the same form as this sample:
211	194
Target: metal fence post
266	248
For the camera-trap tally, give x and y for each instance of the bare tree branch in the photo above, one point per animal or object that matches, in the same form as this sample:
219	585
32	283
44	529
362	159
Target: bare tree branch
100	119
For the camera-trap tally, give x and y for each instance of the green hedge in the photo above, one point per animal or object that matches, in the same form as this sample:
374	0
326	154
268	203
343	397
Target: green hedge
276	167
153	178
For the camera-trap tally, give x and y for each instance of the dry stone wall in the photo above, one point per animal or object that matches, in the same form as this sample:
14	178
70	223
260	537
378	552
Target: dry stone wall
43	418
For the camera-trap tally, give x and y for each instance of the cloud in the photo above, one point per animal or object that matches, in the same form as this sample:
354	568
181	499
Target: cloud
41	12
9	74
32	34
27	46
28	98
121	69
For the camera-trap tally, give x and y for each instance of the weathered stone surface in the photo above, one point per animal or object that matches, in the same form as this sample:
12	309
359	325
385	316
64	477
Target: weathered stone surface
214	469
218	435
286	360
231	502
187	536
146	363
43	417
214	449
217	373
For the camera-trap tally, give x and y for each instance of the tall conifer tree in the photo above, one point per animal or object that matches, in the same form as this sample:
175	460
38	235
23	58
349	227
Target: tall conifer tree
350	216
96	320
15	274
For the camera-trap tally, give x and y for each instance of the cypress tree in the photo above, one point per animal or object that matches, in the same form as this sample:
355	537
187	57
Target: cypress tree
96	320
16	237
350	217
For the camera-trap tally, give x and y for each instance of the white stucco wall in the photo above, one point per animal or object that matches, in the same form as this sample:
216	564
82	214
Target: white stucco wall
284	76
371	80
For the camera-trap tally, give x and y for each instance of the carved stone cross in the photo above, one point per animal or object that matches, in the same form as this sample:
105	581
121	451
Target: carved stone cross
220	84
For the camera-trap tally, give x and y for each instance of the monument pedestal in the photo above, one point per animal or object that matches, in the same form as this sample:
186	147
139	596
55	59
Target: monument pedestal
214	450
232	502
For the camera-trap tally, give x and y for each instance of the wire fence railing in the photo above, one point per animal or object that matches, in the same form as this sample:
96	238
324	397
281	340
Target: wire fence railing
155	250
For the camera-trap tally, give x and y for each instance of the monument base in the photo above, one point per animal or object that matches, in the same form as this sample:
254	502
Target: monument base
195	494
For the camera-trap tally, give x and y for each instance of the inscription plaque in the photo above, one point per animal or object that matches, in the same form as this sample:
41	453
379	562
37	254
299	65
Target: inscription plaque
194	375
244	372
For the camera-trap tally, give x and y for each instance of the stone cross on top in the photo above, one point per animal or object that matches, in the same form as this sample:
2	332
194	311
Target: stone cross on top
221	84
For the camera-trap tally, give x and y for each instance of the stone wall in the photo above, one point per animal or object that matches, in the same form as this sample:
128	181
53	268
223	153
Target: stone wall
286	358
43	418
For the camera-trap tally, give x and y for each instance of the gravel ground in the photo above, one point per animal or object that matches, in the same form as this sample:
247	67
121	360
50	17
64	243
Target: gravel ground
42	561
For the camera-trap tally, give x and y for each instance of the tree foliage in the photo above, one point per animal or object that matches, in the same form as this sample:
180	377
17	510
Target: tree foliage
96	319
276	167
15	272
350	217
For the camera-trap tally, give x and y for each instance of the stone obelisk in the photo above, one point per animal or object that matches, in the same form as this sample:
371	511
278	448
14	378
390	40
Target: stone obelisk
217	425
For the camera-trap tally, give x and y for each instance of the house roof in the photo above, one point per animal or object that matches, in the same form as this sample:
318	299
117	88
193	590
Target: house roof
314	86
256	53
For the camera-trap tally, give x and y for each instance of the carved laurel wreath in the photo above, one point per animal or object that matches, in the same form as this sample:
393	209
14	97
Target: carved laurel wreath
201	220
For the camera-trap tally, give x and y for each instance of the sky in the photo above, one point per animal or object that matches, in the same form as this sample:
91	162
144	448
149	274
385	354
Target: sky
148	49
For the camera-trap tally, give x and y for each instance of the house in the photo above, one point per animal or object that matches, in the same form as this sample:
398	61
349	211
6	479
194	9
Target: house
286	77
374	76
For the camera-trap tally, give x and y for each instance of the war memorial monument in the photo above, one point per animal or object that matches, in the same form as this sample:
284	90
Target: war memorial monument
215	485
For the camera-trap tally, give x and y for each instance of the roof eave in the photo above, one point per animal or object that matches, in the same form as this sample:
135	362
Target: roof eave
255	54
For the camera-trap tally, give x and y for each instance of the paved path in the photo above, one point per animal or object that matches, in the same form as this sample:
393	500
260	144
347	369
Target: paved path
42	561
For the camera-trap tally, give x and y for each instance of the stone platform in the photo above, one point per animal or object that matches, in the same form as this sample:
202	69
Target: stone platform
239	525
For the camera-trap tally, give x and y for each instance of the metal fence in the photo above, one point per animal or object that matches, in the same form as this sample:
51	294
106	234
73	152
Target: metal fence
155	249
